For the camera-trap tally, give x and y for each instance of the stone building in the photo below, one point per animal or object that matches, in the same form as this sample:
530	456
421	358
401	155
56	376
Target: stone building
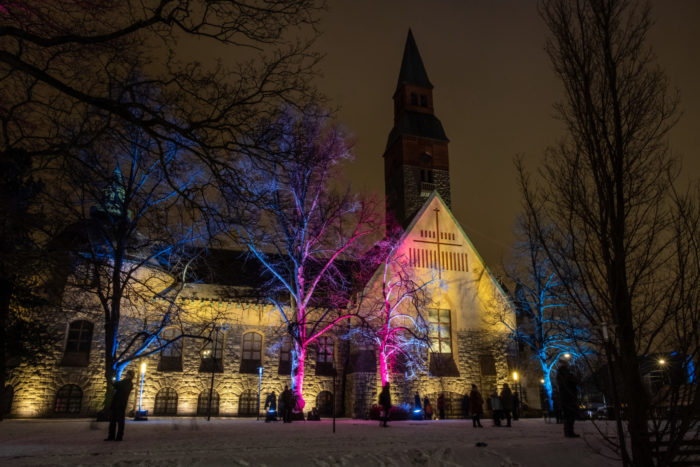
468	346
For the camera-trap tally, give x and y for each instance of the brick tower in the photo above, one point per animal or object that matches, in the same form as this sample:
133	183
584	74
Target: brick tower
416	161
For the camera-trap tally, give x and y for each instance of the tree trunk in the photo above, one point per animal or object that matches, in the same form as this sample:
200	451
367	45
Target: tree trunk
298	359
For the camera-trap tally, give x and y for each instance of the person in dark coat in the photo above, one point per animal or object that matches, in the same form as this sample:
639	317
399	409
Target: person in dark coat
271	407
441	406
385	404
417	409
288	404
476	405
416	401
495	404
506	403
516	406
568	398
122	389
427	409
465	406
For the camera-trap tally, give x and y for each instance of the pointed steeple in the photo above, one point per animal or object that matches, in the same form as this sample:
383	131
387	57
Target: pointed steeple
412	69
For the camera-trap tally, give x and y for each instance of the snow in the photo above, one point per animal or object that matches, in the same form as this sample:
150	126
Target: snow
194	441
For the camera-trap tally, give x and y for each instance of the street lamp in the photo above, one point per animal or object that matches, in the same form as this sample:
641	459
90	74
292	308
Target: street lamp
141	415
260	371
519	393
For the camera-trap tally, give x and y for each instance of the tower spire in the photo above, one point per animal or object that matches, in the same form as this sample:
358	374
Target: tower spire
412	68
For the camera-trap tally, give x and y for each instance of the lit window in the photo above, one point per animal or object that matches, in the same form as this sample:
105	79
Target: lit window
170	356
212	352
252	352
78	344
440	331
203	403
324	356
248	404
166	402
68	400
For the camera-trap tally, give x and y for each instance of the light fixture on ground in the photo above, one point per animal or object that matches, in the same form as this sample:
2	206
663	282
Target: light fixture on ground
260	372
141	415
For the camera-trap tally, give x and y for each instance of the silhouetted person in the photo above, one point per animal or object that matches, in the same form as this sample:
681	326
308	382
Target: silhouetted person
122	389
288	405
271	407
441	406
427	409
476	404
465	406
568	398
385	404
506	403
496	406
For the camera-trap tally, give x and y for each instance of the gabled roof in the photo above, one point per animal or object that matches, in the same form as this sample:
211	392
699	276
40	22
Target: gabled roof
412	69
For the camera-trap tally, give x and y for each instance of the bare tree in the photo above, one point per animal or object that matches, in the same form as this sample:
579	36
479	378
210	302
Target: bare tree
544	323
615	232
301	230
132	236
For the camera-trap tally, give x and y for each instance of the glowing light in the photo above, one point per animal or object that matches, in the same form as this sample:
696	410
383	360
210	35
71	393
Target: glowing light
542	380
662	361
143	368
567	355
515	376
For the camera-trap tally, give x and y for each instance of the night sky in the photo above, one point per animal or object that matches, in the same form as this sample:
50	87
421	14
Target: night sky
494	91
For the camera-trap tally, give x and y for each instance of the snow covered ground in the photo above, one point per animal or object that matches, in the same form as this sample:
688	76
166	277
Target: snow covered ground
190	441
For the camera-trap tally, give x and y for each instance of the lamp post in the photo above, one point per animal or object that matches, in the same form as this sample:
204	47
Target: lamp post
519	392
141	415
260	371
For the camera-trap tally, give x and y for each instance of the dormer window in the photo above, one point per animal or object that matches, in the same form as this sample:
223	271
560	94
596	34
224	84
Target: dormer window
414	99
423	100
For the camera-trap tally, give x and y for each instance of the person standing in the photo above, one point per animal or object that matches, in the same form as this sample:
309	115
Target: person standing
476	405
122	389
506	402
465	406
441	406
427	409
288	404
271	407
417	410
385	404
568	397
495	408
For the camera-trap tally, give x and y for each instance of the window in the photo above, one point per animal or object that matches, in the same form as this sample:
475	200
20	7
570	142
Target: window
324	403
203	403
440	331
212	352
248	404
252	352
78	343
488	365
68	400
285	366
324	356
423	100
171	356
166	402
414	99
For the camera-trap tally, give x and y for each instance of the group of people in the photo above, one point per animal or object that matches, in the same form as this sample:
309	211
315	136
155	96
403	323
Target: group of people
425	411
285	402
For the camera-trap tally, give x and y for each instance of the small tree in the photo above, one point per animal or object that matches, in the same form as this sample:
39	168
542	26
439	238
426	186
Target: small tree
392	306
300	229
544	321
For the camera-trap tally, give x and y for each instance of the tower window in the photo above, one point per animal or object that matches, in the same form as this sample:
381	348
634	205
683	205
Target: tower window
423	100
414	99
78	343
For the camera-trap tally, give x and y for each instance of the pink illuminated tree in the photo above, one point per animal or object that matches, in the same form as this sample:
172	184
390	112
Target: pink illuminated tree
392	307
305	233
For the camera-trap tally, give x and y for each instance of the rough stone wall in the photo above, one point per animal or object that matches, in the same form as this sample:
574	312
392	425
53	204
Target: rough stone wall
413	200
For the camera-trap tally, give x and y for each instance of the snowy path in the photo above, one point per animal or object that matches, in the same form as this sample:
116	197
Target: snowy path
186	441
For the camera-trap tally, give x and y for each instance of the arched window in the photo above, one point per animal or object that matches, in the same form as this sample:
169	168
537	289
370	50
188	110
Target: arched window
324	356
248	404
171	356
166	402
324	403
78	341
203	403
252	352
68	400
212	354
285	366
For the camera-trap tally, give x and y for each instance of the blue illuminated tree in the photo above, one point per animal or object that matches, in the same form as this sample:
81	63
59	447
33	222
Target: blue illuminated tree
544	322
130	199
